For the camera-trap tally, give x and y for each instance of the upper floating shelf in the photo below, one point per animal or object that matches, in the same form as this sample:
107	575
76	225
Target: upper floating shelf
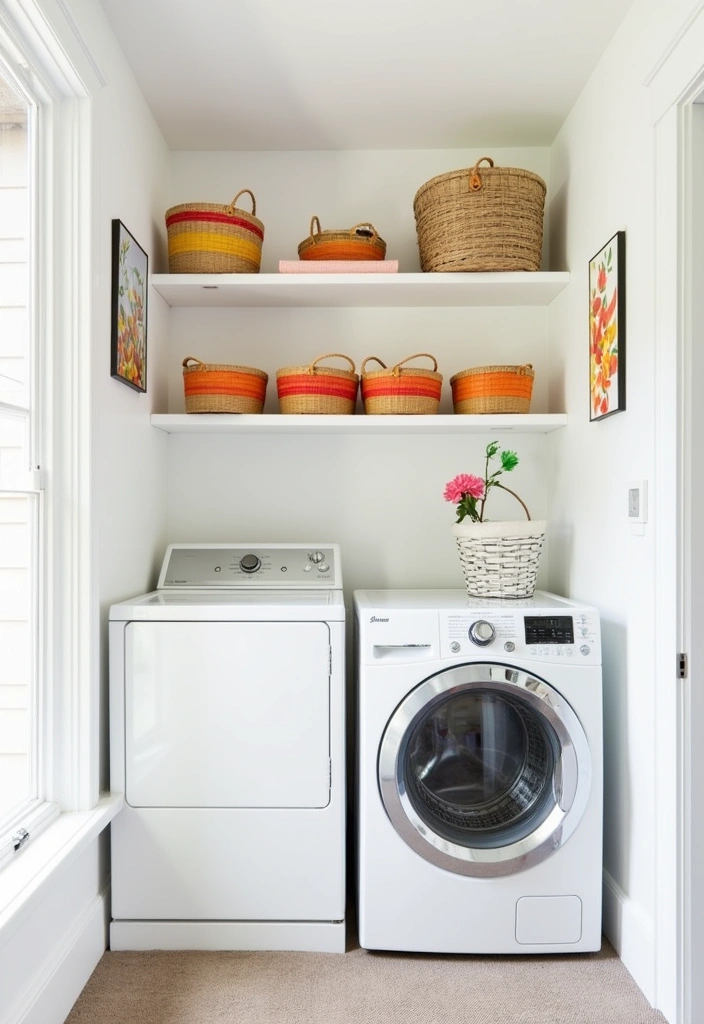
309	290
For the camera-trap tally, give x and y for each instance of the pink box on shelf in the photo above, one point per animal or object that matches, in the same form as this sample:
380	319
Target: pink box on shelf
338	266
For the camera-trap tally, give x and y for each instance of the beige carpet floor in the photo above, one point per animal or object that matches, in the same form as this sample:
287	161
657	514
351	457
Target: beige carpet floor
359	987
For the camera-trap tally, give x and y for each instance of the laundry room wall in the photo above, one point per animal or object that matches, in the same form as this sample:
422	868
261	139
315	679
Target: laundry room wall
45	962
379	497
602	175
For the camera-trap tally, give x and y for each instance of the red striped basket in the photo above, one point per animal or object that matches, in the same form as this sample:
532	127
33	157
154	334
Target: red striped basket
218	387
207	238
401	389
318	389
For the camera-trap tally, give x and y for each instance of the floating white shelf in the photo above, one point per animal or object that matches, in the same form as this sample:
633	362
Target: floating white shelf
225	423
308	290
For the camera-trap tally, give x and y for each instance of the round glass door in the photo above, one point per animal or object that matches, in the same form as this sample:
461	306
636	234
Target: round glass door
484	770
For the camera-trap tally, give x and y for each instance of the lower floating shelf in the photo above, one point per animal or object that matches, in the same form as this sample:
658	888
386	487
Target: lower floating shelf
228	423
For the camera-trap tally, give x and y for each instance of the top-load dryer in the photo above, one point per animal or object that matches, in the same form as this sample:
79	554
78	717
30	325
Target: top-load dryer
227	740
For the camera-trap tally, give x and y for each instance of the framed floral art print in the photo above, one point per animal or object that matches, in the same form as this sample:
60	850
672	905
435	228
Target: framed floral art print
607	329
128	361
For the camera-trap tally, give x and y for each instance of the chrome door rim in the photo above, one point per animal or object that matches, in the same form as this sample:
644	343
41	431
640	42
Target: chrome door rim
572	771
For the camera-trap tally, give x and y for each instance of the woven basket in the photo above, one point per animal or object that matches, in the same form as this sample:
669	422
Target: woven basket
481	219
500	559
206	238
218	387
490	389
362	242
401	389
318	389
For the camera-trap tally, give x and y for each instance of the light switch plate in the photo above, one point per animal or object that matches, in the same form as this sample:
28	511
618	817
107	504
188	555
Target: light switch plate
638	502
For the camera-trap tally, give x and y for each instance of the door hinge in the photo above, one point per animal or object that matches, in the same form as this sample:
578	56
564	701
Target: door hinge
20	837
681	666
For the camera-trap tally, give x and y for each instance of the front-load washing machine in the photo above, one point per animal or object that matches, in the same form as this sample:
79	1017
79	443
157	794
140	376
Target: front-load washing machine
227	740
479	773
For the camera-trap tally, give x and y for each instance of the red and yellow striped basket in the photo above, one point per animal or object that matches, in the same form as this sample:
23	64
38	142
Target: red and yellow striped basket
318	389
401	389
218	387
362	242
207	238
491	389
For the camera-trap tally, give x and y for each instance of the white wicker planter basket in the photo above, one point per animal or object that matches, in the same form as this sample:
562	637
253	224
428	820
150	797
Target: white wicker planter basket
500	559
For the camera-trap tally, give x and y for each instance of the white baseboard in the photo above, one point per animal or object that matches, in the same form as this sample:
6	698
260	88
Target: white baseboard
631	934
308	936
58	985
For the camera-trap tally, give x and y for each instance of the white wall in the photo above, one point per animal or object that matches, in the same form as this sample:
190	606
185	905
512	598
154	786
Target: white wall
130	180
602	175
380	498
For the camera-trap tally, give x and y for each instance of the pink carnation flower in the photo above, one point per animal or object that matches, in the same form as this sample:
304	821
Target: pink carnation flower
463	484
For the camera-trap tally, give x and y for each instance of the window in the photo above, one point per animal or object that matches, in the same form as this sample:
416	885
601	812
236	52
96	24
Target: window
20	505
48	626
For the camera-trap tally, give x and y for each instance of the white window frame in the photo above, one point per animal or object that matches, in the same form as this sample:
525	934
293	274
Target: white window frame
61	245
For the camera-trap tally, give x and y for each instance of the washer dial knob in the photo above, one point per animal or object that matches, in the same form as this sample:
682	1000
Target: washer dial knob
316	556
250	563
481	633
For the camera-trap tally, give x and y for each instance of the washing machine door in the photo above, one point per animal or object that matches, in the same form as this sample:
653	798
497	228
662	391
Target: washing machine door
484	770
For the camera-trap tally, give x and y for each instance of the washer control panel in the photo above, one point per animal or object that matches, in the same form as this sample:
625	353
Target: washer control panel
526	634
228	566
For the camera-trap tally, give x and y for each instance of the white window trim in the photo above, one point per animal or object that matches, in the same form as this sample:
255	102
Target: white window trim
62	236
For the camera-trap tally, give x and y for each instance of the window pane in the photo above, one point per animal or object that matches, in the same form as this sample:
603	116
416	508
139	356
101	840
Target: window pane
18	512
14	245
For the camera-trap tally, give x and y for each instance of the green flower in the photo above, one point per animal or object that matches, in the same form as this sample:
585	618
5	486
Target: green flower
509	461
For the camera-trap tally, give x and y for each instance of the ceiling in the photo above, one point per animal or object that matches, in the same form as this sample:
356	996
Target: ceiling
361	74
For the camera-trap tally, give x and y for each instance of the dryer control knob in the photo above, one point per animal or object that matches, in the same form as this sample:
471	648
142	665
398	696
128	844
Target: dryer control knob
316	556
481	633
249	563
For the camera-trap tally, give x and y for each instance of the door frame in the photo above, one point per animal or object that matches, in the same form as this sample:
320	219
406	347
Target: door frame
673	85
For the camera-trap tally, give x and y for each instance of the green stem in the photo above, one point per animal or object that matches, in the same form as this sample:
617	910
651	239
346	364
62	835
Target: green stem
504	488
486	488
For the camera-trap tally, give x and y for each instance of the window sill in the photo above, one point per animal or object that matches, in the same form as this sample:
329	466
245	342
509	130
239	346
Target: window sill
25	882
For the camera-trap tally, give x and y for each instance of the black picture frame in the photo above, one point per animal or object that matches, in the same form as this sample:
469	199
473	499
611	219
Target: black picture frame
128	339
607	329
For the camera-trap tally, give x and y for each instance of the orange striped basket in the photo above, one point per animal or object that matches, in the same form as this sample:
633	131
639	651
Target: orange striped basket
315	389
490	389
218	387
401	389
362	242
207	238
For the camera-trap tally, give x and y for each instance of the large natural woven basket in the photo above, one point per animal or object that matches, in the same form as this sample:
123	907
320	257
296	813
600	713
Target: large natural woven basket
500	559
481	219
316	389
207	238
361	242
492	389
219	387
401	389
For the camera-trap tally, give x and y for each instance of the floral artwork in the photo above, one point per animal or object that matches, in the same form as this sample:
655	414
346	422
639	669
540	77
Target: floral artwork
607	329
129	309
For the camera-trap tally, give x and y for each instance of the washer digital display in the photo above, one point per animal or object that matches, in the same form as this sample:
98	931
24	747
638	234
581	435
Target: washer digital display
543	629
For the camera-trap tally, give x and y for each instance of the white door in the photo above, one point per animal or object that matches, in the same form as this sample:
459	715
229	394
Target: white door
227	714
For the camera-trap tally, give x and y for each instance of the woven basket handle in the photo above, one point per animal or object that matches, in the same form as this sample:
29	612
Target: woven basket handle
396	370
241	193
330	355
365	224
191	359
376	360
313	222
475	179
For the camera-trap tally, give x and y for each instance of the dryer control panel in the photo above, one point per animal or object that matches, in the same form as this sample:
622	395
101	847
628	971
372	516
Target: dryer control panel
260	566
